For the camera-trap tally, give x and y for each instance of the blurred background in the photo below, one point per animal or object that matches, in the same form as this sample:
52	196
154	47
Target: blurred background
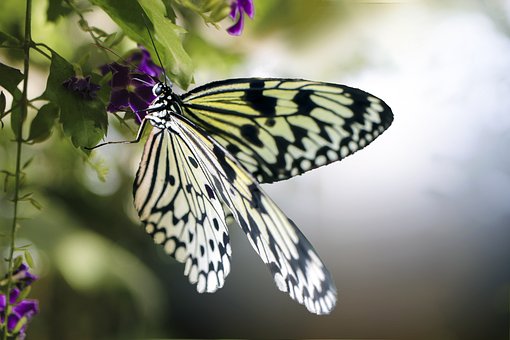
415	229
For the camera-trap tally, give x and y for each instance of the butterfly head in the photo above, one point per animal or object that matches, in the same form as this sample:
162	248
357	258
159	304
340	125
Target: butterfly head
161	89
165	105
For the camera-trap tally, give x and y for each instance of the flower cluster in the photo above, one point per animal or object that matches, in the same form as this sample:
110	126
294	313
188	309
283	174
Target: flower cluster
237	10
132	89
21	310
82	86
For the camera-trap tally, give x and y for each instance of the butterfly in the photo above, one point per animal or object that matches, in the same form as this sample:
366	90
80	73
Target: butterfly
209	150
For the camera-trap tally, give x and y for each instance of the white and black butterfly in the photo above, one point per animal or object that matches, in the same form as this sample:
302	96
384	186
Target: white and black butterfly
211	147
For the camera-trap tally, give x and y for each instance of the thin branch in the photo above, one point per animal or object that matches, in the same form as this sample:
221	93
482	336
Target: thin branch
17	181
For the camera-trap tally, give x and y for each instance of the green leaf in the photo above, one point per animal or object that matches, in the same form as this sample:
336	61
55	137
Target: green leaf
41	126
35	203
16	113
99	167
212	11
219	13
27	163
25	292
25	197
170	13
17	262
21	323
10	78
7	38
28	258
128	15
113	39
56	9
84	120
23	247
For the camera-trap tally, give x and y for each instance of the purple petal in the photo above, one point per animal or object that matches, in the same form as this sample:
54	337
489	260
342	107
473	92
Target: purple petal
3	302
68	84
120	76
247	7
13	296
81	84
145	93
234	10
143	59
237	28
147	66
12	321
137	103
27	308
104	69
87	90
119	99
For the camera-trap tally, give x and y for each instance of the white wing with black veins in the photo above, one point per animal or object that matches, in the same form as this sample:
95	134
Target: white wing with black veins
180	210
203	171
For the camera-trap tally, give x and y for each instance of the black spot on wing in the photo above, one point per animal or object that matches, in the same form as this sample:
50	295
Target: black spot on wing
210	192
251	134
304	102
233	149
256	198
270	122
256	99
188	188
193	162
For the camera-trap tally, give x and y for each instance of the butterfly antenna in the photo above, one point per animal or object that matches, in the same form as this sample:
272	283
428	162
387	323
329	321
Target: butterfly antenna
142	81
154	45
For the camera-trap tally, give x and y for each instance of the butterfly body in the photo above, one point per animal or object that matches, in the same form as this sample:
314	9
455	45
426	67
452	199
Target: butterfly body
210	148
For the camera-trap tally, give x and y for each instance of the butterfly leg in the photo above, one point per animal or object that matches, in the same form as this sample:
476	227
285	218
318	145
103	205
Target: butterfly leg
136	140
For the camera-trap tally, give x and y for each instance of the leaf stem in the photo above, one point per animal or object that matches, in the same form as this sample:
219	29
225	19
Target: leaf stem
19	142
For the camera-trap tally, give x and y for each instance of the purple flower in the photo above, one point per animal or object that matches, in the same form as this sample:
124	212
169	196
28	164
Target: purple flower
82	86
22	277
237	10
144	63
132	89
23	310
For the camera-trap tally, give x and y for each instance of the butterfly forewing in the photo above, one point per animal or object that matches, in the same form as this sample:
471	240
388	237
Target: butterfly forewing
180	210
295	266
279	128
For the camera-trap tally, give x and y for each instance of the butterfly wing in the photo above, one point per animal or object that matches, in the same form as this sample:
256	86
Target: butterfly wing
295	266
279	128
179	209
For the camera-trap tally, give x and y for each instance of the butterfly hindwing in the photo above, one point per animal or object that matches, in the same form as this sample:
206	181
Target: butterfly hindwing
295	266
279	128
180	210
